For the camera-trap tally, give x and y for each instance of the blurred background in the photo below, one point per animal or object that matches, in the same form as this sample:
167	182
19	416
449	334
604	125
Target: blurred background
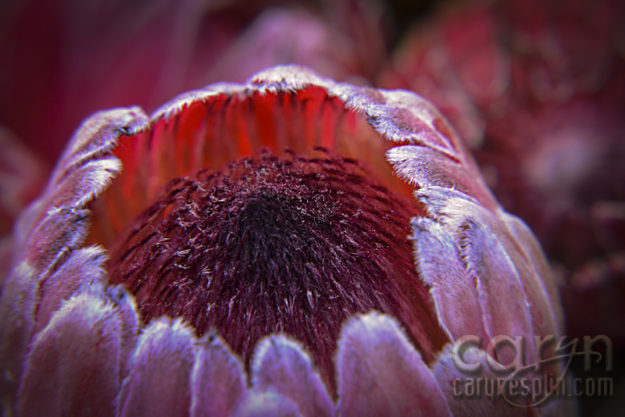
535	88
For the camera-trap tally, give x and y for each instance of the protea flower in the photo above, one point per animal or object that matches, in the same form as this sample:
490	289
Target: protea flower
54	52
290	246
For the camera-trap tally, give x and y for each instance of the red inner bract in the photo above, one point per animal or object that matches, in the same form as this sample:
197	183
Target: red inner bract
277	244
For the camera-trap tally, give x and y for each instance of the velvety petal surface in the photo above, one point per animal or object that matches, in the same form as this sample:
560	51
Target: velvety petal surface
381	374
17	307
537	260
85	169
52	229
82	267
462	216
266	404
498	286
61	231
217	380
452	288
73	365
160	373
453	384
426	166
281	364
126	308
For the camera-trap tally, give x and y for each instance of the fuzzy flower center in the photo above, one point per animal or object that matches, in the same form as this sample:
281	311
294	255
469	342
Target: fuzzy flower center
277	244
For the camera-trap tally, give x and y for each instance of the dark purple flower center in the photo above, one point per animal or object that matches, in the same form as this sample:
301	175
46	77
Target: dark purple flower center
277	244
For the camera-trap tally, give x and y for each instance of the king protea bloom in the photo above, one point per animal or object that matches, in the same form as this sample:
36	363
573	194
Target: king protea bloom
290	246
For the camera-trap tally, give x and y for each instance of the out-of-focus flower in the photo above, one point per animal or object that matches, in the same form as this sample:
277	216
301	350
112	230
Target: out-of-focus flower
538	90
60	58
286	36
21	179
190	210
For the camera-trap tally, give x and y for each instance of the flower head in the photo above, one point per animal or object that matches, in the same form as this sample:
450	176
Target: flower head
250	230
